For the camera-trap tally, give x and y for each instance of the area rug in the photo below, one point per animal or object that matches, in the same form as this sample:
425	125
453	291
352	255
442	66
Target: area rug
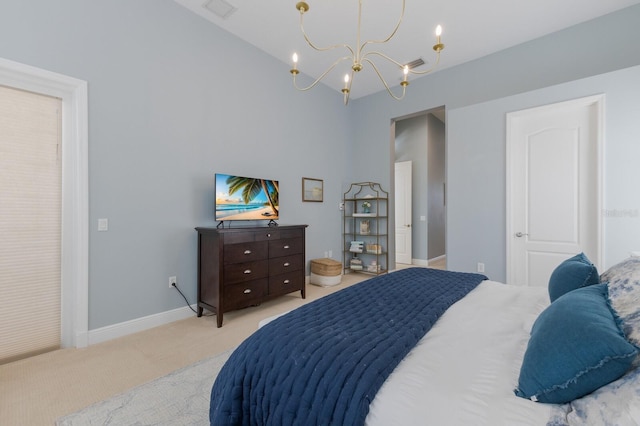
180	398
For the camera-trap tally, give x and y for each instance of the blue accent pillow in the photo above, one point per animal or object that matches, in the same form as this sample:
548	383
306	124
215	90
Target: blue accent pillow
576	347
573	273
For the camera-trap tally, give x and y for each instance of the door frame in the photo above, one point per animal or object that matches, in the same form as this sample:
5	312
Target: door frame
598	101
75	190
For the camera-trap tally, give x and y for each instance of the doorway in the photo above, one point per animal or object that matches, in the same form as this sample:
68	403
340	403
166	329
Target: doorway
553	187
75	190
420	140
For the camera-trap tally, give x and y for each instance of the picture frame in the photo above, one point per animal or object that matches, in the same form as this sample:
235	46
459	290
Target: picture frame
365	228
312	190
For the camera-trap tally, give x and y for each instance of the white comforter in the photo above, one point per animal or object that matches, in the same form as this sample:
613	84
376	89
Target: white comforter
464	370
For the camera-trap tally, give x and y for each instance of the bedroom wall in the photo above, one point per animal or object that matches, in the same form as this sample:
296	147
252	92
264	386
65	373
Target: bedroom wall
475	147
436	205
477	151
172	100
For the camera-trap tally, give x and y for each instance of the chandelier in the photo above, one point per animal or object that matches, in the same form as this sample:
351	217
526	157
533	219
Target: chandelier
359	55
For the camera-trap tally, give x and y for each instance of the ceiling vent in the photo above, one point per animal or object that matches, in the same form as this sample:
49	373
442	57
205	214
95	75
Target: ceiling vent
415	63
221	8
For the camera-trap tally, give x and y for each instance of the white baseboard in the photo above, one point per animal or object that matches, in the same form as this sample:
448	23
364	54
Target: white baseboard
420	262
139	324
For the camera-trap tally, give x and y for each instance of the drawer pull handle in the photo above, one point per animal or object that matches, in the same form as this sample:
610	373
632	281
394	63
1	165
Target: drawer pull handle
268	235
286	282
286	247
286	264
247	252
247	271
247	291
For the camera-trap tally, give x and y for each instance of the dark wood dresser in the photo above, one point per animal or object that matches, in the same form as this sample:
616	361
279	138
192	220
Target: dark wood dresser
240	267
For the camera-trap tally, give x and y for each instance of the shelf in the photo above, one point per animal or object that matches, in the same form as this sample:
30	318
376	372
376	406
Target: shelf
374	220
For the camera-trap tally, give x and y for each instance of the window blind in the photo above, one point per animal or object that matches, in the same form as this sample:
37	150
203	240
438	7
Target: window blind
30	223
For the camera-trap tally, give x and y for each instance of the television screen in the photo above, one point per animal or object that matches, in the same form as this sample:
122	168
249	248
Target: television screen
244	198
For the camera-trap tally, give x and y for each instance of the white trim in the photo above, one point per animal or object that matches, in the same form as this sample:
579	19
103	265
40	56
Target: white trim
420	262
75	189
114	331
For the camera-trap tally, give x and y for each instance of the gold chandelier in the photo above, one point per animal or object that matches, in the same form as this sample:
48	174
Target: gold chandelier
360	55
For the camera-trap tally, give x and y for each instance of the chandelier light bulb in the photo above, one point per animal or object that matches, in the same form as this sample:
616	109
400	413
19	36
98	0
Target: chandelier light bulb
439	30
405	71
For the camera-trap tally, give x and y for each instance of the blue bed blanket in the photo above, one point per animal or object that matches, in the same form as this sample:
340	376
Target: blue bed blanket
323	363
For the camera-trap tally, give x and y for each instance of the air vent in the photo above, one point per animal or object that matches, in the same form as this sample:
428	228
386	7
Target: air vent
415	63
221	8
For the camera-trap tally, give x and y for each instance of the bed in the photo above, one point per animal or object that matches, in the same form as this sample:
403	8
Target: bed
381	352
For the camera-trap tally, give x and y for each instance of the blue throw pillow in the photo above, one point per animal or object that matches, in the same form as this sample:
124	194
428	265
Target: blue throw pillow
575	348
573	273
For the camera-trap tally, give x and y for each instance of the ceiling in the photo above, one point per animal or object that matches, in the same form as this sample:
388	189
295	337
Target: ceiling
471	29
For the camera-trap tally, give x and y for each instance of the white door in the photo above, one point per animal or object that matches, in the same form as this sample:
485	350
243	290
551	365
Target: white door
553	188
403	212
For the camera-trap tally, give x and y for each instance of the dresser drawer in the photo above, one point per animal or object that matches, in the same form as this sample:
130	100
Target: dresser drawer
241	272
245	294
283	264
268	234
285	246
245	252
286	283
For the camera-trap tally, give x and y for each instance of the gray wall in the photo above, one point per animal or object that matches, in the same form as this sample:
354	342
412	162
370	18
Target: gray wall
172	100
477	152
436	222
545	70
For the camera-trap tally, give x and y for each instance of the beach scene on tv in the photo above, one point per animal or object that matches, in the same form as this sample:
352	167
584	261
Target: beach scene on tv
243	198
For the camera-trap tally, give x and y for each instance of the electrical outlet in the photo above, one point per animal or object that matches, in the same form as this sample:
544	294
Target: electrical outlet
330	254
173	282
480	267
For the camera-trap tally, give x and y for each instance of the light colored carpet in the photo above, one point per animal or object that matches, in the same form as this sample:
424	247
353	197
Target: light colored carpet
177	399
38	390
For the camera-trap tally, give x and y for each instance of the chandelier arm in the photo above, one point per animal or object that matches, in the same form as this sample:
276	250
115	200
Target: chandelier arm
393	33
411	71
327	71
404	87
322	49
382	55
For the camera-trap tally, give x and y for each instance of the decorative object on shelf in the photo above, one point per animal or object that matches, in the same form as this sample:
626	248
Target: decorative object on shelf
355	264
356	247
365	234
359	55
312	189
374	248
373	267
365	228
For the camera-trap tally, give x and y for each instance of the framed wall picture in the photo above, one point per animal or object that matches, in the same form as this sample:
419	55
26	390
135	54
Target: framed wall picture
312	189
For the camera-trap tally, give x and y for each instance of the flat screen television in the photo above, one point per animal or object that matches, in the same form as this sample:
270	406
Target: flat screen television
245	198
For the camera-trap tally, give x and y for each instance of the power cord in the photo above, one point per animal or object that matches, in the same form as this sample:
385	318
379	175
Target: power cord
175	285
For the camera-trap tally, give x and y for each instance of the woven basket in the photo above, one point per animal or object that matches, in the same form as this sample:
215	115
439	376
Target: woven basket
326	267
